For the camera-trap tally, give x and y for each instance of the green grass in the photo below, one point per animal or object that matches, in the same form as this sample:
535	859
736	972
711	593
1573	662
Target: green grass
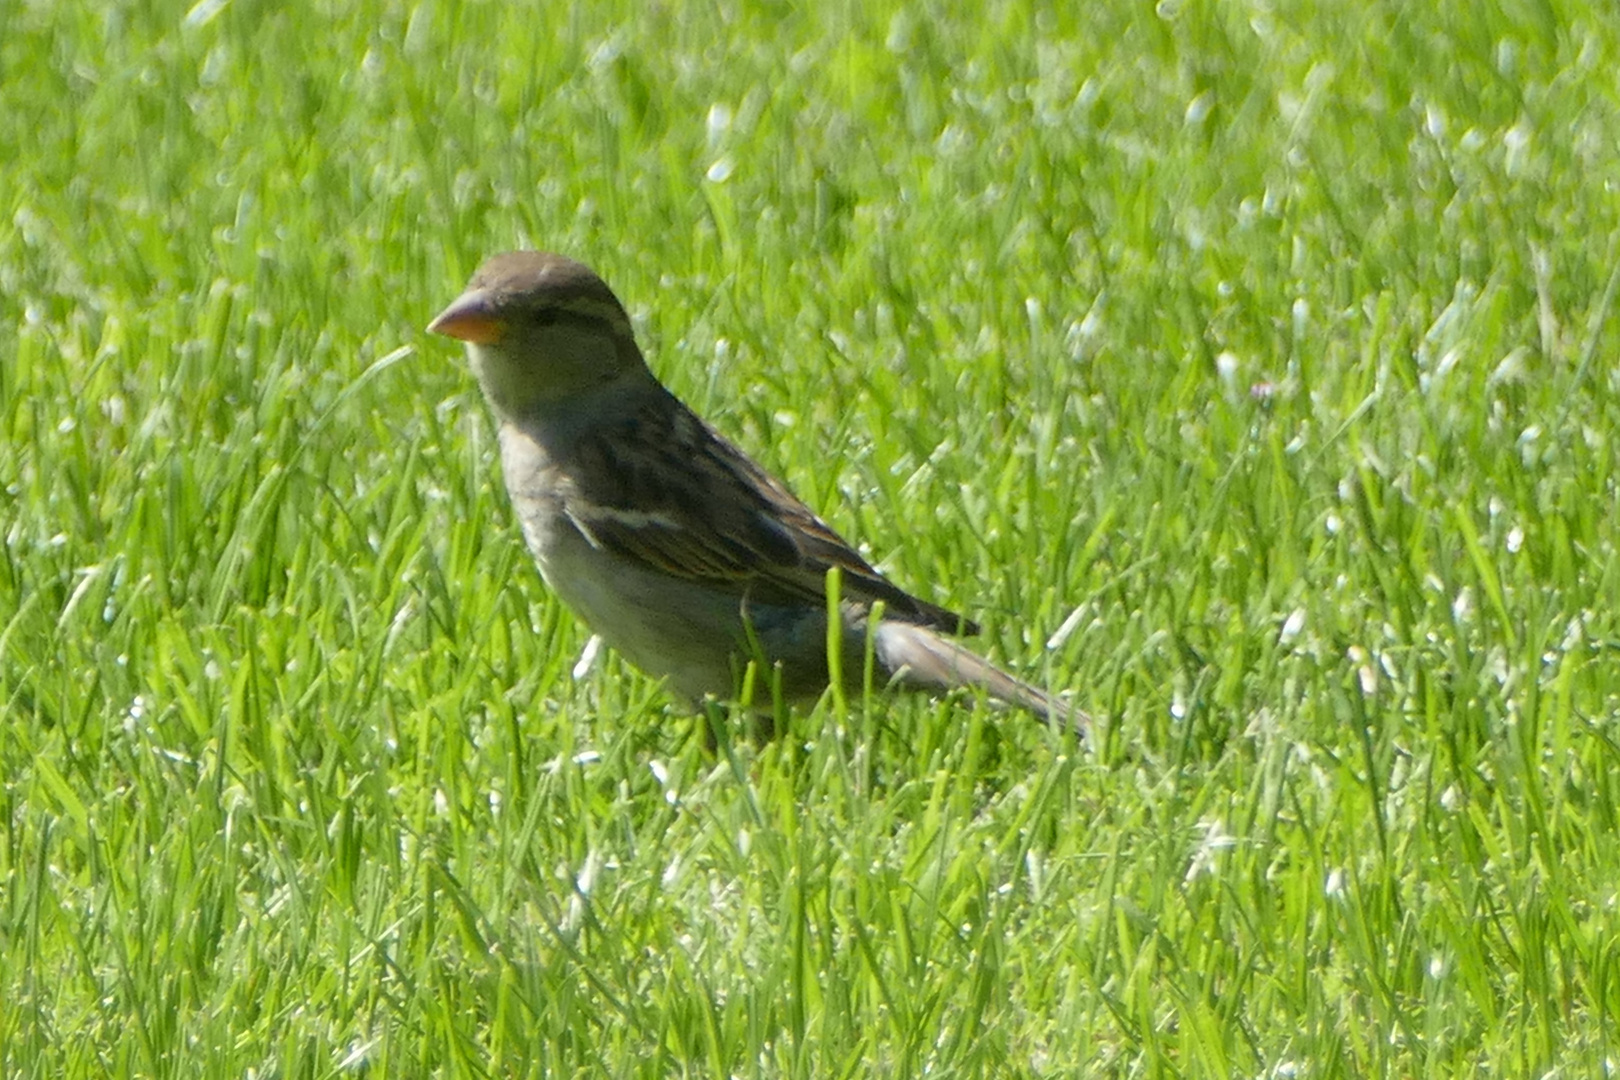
1266	352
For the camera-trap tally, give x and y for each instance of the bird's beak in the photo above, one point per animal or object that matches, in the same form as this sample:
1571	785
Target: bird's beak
470	317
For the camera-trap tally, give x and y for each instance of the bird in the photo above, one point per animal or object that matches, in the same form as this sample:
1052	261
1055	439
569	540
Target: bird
670	543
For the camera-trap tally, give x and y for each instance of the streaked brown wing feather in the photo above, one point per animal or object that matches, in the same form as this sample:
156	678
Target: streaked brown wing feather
664	489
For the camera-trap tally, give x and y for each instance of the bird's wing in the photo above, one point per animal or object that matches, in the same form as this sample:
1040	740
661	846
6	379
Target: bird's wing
664	489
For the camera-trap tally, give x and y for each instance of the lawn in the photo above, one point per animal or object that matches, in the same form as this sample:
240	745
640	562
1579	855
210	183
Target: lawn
1249	370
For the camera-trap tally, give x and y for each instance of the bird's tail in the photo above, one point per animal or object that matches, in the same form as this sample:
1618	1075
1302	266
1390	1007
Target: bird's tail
916	656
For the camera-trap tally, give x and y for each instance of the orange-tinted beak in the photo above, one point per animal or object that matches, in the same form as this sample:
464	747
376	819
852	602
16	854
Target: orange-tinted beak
470	317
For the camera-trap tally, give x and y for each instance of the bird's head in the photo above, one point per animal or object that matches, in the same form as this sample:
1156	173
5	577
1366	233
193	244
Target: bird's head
540	328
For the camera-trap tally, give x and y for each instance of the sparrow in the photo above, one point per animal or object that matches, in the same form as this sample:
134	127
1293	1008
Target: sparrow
669	542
